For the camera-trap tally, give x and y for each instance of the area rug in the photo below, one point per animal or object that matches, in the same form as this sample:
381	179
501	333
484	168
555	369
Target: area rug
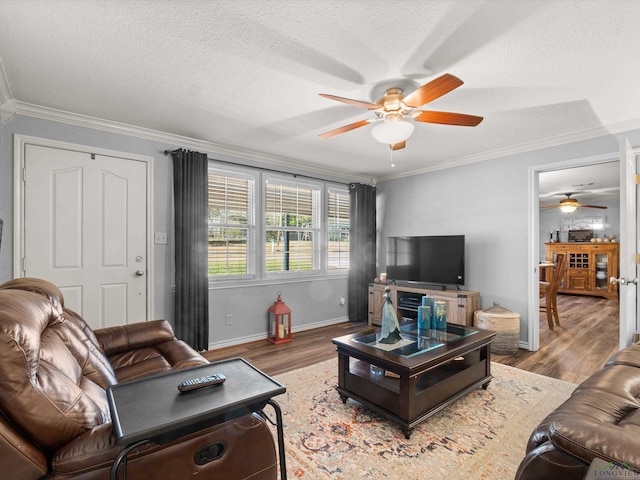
482	435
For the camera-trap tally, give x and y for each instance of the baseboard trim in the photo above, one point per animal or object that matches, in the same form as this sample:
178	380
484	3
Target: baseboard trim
263	336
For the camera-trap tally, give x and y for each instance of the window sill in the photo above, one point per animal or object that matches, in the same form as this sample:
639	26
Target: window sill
275	280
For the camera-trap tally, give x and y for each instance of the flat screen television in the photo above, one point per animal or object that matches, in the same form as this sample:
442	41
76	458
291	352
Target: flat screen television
426	259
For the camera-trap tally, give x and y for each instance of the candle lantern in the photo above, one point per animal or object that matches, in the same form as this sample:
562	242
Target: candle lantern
279	322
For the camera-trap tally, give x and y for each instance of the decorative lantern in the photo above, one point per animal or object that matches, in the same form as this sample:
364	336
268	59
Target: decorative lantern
279	322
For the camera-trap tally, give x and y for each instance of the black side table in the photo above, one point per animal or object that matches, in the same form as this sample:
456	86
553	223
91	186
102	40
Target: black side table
153	410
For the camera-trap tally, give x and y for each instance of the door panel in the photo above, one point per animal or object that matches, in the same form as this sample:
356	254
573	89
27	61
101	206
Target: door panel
628	244
85	230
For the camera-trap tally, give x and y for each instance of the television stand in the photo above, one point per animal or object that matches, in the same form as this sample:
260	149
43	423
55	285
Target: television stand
461	304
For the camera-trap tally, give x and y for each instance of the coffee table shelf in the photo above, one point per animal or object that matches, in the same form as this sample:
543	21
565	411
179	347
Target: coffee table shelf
416	384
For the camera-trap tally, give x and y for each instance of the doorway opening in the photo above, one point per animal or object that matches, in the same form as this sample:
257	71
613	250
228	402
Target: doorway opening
558	179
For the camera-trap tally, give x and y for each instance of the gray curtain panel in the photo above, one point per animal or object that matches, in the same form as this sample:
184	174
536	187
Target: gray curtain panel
362	248
190	188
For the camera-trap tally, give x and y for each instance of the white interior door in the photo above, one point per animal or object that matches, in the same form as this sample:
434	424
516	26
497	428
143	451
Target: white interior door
627	282
85	230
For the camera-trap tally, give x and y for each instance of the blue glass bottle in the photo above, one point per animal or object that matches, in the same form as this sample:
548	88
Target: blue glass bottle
421	314
440	316
425	313
424	317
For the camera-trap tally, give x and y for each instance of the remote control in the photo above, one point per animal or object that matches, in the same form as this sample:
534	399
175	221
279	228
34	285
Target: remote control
195	383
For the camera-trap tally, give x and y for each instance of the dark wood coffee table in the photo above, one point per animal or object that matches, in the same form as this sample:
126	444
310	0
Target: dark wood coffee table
424	373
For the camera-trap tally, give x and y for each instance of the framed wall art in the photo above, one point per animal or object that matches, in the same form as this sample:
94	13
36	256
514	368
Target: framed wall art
583	223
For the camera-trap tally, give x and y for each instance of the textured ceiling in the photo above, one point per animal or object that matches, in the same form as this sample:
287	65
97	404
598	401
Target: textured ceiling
586	184
246	74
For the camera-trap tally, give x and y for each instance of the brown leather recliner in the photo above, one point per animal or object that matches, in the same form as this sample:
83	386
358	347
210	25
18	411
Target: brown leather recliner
54	416
600	420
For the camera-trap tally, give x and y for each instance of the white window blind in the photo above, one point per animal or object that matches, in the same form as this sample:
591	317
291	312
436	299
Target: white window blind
231	224
292	226
338	229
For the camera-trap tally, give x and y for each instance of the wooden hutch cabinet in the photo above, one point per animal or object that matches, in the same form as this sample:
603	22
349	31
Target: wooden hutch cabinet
589	267
461	304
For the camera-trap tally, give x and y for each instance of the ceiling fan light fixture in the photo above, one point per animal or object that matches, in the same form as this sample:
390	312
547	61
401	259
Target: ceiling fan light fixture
568	208
568	205
392	131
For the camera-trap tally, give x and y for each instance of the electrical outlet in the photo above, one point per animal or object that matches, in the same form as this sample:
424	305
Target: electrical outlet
341	301
227	319
161	238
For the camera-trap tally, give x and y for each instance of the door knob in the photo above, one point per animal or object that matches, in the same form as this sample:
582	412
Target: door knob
139	273
623	281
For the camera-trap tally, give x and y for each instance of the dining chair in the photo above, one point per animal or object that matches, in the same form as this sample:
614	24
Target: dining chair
549	291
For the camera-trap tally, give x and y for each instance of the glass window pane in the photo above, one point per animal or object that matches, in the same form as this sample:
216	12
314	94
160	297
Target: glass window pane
338	230
230	218
228	199
292	224
228	251
289	250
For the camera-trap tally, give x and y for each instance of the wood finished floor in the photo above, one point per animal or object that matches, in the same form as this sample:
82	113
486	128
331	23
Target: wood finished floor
587	337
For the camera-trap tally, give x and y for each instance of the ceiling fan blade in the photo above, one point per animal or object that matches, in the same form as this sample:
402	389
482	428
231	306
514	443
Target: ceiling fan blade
355	103
345	128
432	90
549	206
448	118
398	146
592	206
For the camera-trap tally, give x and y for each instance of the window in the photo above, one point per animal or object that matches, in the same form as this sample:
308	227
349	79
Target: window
305	225
337	229
231	224
292	226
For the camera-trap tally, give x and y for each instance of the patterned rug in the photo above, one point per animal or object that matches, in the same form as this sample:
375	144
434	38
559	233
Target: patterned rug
483	435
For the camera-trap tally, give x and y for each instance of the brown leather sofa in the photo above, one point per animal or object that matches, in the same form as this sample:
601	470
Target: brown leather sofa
54	416
601	420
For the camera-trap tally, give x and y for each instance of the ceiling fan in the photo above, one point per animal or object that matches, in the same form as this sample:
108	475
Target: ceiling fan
569	204
396	113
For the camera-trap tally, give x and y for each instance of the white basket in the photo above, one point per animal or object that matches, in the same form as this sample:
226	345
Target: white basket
505	323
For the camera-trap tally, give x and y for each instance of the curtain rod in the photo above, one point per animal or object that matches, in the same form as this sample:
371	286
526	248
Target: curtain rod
295	175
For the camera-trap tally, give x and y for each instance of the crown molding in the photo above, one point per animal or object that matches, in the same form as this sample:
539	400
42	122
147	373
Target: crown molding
7	111
5	90
12	107
7	103
555	141
46	113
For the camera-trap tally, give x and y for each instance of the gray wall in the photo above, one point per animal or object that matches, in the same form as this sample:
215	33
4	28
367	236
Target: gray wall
488	202
314	302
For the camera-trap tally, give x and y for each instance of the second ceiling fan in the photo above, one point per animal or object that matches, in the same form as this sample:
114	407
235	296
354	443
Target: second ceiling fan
398	112
569	204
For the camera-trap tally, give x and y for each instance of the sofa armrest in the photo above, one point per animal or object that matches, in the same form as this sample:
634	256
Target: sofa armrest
124	338
141	349
590	439
546	461
628	356
26	460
